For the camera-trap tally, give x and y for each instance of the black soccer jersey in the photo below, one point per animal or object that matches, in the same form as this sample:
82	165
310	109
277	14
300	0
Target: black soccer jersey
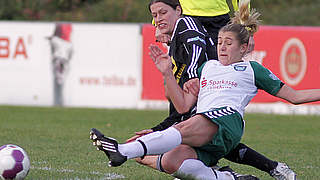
190	47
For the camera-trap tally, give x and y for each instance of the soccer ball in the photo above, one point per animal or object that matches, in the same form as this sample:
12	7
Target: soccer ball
14	162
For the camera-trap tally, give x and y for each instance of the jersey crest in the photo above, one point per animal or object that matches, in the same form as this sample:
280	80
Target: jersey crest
240	68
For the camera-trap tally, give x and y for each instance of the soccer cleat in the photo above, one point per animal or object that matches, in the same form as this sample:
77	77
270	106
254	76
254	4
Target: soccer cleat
109	146
238	176
283	172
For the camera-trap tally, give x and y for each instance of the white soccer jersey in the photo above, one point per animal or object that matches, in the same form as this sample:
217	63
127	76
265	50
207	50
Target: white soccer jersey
233	85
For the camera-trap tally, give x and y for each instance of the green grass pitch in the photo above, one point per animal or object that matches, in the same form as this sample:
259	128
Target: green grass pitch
58	145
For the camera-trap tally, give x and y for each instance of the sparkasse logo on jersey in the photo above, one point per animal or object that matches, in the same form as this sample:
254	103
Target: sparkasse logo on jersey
218	84
203	82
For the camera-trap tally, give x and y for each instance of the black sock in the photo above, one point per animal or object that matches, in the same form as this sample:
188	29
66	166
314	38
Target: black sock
243	154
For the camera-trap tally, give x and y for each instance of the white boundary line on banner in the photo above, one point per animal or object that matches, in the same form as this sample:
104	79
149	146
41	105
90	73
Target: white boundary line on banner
267	108
283	108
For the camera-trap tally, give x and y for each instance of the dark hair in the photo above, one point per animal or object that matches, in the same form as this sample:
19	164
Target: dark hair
172	3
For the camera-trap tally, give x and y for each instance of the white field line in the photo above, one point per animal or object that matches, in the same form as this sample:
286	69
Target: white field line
109	176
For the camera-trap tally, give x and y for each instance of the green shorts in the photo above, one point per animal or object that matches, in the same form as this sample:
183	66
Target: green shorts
229	134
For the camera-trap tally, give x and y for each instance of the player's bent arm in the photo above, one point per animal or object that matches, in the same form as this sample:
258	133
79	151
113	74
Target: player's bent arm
166	91
298	96
182	100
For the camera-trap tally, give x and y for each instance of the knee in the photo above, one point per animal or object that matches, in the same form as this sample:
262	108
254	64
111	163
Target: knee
169	166
172	160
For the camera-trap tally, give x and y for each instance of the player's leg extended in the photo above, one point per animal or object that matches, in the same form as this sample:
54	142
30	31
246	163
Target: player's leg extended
200	131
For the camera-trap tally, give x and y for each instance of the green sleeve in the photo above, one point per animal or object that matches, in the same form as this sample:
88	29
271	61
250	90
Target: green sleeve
200	69
265	79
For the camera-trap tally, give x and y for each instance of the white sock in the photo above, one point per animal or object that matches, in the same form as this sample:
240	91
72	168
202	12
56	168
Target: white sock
158	142
131	150
196	169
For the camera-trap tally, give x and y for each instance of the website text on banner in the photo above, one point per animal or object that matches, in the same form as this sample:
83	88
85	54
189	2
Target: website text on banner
290	52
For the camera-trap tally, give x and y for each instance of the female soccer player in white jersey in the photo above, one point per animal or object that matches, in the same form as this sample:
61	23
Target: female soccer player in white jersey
226	87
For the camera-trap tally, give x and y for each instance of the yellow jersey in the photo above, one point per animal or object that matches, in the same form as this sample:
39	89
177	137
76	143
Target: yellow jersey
206	7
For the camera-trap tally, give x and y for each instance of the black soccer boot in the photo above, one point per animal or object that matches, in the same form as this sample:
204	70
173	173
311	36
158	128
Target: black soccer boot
237	176
109	146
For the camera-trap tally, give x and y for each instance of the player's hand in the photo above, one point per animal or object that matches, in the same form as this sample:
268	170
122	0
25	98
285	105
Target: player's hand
250	45
150	161
192	86
160	37
139	134
161	60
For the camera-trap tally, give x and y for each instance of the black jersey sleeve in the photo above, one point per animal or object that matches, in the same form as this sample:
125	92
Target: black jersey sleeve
196	43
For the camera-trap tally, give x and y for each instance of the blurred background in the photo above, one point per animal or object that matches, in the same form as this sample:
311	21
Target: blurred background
274	12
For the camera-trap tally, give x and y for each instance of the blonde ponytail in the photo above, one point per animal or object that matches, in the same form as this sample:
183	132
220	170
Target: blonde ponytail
247	18
244	23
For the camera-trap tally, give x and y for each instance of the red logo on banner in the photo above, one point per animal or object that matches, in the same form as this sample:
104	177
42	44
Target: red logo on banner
293	61
18	50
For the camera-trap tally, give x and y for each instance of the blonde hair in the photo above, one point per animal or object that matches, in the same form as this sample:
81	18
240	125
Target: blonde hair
244	23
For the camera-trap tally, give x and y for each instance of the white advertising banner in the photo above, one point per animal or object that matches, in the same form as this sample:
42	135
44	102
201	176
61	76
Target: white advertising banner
25	72
105	69
88	65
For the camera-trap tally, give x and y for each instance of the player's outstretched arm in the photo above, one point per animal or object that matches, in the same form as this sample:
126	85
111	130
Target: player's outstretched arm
181	100
298	96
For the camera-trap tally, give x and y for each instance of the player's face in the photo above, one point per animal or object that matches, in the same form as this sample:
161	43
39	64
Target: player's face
165	17
229	48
